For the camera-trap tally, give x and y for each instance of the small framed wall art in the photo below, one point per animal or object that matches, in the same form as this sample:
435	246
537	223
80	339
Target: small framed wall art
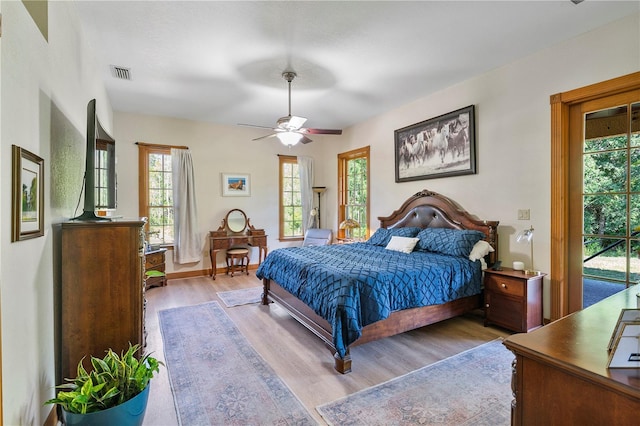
236	185
438	147
27	195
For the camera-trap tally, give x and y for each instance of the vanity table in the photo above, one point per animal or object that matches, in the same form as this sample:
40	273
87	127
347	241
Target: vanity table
236	231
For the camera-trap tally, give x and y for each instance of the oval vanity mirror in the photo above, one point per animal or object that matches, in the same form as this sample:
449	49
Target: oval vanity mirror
236	220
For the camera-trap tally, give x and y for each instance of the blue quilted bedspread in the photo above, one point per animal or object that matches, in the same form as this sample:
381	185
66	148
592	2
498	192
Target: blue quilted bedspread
353	285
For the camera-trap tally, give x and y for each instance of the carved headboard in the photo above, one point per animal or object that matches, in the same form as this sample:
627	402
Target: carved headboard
428	209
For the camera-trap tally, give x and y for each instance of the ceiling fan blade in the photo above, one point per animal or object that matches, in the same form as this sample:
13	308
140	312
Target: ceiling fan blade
265	137
296	122
321	131
305	139
255	125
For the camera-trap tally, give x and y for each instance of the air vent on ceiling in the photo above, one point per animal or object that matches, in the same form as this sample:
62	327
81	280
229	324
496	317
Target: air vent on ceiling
121	72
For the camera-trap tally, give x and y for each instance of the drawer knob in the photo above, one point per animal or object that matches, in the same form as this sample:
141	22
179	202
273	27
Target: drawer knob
504	285
486	306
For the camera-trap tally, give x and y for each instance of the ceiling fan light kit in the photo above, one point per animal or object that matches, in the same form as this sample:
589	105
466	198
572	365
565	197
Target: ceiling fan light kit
289	138
289	128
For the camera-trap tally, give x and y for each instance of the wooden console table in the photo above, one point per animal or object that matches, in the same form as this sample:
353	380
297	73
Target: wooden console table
560	370
236	231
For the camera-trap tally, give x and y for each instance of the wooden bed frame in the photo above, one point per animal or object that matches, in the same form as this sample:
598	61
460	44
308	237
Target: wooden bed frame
426	209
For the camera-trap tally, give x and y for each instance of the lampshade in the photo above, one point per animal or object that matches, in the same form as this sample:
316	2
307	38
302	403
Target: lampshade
289	138
349	224
526	236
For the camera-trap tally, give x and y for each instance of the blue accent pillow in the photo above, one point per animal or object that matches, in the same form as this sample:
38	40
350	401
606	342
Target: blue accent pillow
382	236
454	242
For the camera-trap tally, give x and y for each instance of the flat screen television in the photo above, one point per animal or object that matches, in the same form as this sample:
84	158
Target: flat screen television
100	187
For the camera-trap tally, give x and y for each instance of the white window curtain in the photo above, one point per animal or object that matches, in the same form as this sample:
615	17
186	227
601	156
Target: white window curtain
186	242
305	169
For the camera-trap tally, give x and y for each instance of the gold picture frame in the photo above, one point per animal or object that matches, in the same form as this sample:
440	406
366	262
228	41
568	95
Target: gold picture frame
27	195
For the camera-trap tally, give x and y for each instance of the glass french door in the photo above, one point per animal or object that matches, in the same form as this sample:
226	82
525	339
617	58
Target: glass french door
609	200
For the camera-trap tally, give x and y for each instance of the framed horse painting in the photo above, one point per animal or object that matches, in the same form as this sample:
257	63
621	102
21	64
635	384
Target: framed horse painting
438	147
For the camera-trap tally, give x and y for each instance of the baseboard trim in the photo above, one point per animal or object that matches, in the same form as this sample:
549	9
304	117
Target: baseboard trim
202	272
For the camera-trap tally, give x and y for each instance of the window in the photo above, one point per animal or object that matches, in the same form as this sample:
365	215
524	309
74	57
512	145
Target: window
353	189
290	199
155	192
105	178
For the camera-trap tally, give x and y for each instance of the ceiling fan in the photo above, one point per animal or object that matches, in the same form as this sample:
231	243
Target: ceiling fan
289	128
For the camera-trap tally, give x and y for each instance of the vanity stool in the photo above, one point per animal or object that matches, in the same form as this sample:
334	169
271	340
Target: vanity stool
236	257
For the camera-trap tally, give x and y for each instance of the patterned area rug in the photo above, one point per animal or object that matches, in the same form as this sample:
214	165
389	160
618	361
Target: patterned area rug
240	297
217	377
471	388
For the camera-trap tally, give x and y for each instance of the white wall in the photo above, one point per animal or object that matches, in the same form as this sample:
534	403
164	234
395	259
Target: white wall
45	90
512	133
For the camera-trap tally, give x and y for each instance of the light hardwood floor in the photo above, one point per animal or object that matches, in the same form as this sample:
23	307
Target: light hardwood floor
298	356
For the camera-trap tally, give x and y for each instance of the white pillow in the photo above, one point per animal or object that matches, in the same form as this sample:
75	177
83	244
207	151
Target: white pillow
402	244
480	250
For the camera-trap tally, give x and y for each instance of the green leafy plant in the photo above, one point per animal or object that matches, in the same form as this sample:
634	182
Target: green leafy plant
114	379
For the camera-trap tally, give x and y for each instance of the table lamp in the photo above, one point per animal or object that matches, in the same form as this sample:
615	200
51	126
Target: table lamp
527	236
349	225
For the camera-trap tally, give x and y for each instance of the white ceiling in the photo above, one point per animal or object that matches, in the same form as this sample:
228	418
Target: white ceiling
222	61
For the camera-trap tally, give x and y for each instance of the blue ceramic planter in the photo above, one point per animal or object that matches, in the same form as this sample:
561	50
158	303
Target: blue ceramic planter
129	413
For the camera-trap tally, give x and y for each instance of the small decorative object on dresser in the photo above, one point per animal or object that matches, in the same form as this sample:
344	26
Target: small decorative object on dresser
513	299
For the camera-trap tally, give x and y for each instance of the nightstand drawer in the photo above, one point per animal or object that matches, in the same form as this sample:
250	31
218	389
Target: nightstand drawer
153	259
505	285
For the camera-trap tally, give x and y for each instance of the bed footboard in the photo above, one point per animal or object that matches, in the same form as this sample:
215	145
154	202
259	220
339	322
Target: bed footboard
398	322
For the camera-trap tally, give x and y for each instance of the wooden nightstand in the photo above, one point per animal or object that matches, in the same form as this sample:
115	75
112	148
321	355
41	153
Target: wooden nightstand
512	299
154	261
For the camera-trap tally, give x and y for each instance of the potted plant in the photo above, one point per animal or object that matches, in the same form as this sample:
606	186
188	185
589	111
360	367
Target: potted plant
114	392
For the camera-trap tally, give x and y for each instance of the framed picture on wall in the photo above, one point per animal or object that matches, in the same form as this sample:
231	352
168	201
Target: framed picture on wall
27	195
438	147
236	185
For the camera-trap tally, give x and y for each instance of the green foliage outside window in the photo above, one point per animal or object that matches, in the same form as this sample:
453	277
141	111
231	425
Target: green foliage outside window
160	200
611	206
356	202
101	179
291	200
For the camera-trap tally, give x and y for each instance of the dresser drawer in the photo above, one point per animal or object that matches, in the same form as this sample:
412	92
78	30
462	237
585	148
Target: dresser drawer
505	285
259	241
219	244
154	259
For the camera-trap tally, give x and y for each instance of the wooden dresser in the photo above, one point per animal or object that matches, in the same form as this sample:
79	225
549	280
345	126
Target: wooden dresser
101	294
236	231
560	370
